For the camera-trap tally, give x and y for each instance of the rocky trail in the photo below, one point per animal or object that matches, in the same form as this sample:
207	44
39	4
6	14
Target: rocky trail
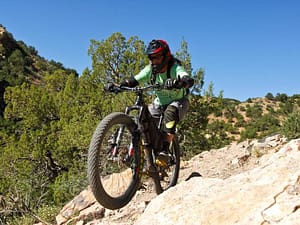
216	167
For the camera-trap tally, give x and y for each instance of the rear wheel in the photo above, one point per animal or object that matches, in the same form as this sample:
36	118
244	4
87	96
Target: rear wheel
114	178
168	170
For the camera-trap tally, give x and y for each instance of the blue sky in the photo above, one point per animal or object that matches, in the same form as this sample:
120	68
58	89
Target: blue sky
246	48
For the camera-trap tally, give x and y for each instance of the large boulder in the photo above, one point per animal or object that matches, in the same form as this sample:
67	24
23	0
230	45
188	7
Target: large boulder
267	194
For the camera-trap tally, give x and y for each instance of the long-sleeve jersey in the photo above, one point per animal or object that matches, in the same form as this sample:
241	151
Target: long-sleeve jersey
164	97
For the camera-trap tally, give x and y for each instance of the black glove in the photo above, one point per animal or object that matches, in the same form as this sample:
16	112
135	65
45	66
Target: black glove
109	87
169	83
124	83
172	83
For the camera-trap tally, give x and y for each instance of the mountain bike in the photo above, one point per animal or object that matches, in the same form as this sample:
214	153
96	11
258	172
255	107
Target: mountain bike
116	160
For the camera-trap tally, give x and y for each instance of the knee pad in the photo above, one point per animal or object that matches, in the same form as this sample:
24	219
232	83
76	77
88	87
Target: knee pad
171	118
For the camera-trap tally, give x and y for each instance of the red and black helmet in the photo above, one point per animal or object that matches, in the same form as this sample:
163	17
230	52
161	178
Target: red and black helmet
159	46
156	46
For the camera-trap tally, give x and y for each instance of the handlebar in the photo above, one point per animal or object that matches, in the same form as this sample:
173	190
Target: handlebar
118	88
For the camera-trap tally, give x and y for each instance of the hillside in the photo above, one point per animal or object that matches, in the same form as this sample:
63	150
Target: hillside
254	118
20	63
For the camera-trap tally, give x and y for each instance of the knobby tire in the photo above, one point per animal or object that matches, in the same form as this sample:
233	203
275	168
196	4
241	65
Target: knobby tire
173	170
97	161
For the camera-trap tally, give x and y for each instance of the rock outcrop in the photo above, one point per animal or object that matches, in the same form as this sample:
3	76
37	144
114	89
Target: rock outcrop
255	182
268	194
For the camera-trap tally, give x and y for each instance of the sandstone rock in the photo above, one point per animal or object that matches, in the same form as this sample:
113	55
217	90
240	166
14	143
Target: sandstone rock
230	185
268	194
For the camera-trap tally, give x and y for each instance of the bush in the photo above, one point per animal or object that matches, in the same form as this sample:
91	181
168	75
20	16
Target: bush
291	126
249	133
24	220
254	112
270	96
48	213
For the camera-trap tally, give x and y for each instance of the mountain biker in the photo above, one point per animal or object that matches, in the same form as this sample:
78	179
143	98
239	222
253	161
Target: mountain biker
166	70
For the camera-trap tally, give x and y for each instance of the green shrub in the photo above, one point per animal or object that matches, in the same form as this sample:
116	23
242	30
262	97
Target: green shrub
24	220
291	126
249	133
48	213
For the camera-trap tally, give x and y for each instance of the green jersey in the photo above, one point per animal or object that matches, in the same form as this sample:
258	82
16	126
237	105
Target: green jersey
164	97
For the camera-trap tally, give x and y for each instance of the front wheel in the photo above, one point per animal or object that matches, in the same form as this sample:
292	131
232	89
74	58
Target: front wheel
114	163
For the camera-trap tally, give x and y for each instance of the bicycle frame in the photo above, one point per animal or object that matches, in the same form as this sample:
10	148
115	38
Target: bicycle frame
143	119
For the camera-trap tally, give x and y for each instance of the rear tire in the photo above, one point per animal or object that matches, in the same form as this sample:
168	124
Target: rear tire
168	177
114	180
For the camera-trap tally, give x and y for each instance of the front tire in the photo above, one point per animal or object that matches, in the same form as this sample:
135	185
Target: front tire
114	179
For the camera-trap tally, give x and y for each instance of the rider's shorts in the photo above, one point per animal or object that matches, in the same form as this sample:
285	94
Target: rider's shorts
173	113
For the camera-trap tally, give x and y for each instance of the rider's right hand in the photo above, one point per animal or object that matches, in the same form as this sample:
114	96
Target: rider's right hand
124	83
110	87
171	83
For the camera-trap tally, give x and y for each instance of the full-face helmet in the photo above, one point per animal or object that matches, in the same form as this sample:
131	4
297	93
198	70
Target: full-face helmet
158	49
